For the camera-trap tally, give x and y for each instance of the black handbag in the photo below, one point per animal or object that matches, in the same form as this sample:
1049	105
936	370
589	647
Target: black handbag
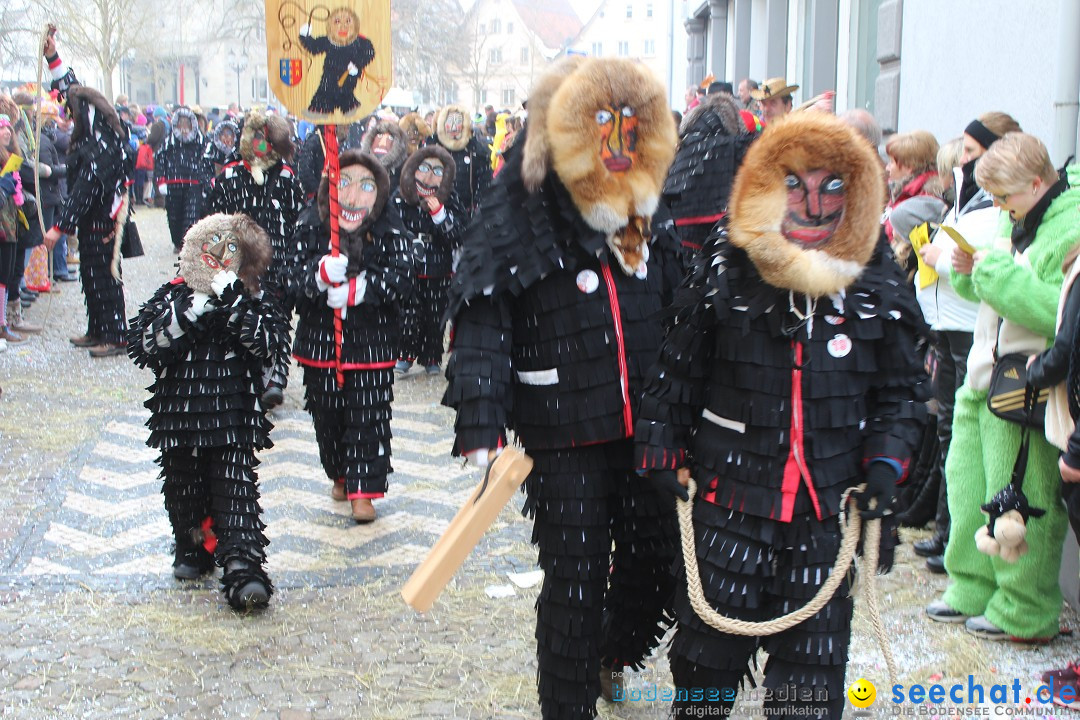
1010	397
131	246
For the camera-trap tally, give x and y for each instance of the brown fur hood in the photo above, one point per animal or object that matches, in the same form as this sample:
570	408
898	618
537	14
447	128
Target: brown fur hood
799	143
408	174
393	159
255	251
564	136
382	184
81	97
278	135
466	130
725	108
413	121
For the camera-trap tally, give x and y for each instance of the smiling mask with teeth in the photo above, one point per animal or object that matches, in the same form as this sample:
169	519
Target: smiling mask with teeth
219	243
428	172
363	188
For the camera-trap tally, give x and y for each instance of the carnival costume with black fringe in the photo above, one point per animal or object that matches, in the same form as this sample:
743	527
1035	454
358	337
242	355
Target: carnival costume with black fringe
387	142
555	306
209	335
100	168
181	166
435	237
219	151
454	133
264	187
352	423
788	375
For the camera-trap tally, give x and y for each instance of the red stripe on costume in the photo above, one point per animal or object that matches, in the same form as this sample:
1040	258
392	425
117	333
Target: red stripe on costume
795	468
332	364
700	219
624	372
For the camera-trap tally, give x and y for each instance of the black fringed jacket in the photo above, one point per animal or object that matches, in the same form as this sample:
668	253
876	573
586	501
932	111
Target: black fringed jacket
433	243
208	371
182	163
767	409
371	330
551	338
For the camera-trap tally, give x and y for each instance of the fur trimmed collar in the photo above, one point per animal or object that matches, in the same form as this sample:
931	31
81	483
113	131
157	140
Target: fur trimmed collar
466	128
726	110
278	137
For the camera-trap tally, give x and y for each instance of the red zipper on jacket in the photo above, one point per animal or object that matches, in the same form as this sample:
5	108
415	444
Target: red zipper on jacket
796	469
624	372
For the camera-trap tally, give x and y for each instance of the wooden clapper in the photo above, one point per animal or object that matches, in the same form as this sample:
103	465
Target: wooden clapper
502	480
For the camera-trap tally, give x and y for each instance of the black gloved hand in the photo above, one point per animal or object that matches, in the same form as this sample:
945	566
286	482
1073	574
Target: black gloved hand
666	482
890	538
880	486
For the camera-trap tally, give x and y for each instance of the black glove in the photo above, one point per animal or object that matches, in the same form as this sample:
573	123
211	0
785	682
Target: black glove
880	485
890	538
666	482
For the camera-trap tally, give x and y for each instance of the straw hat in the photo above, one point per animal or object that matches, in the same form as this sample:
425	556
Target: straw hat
773	87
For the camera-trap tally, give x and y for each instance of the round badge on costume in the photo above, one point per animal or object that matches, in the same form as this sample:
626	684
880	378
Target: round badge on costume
467	160
587	281
834	319
840	346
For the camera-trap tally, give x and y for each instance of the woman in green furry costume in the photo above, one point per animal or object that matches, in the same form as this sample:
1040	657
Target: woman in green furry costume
1017	281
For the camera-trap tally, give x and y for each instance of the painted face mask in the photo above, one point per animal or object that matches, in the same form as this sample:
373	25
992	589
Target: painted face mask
226	140
382	144
454	125
343	27
185	131
618	137
259	145
221	252
815	206
429	175
357	193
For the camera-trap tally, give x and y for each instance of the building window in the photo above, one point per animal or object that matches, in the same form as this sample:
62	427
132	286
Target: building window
483	96
629	11
597	49
509	28
648	10
624	48
508	97
524	56
650	48
495	55
496	26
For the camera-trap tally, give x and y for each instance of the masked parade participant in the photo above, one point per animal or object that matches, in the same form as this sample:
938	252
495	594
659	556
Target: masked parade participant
416	131
433	216
209	335
264	187
180	171
555	305
788	375
366	282
453	132
387	142
224	145
312	155
346	54
100	166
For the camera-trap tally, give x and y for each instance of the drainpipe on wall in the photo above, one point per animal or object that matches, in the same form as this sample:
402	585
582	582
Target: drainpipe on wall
1067	84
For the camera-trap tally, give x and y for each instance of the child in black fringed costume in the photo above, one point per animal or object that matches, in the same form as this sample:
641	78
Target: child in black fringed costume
556	305
208	335
181	172
264	187
434	218
367	282
788	375
100	168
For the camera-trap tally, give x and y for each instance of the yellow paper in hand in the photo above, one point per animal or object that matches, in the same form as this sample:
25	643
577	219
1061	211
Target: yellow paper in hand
13	164
960	240
920	238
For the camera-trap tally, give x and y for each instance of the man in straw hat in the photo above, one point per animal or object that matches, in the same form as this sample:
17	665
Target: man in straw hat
774	95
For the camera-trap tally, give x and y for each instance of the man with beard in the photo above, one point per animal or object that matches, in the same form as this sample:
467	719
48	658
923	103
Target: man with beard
433	216
367	283
208	335
788	376
453	132
555	306
386	141
100	165
180	171
264	187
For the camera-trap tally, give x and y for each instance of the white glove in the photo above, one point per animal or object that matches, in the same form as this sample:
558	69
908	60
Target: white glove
222	280
331	271
199	305
45	170
482	457
305	30
163	189
337	296
353	70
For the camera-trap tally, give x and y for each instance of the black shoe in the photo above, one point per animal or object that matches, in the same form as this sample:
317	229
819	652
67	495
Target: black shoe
272	397
936	564
67	278
929	547
245	585
191	564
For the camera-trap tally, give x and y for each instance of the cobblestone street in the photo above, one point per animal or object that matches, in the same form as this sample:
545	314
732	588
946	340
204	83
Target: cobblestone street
96	627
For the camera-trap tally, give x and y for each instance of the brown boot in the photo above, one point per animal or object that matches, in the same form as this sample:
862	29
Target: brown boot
108	350
17	322
362	510
85	341
337	492
11	337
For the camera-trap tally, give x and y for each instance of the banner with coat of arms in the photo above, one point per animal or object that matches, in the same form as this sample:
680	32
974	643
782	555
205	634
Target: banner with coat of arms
333	60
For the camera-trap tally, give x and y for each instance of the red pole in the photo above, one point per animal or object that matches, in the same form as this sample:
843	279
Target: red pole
332	169
181	83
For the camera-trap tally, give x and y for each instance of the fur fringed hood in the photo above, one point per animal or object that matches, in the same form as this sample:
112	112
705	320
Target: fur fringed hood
254	249
184	112
725	108
408	174
382	185
466	128
565	136
797	144
219	142
278	137
393	159
414	122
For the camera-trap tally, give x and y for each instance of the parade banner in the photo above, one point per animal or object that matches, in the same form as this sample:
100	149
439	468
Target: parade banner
329	62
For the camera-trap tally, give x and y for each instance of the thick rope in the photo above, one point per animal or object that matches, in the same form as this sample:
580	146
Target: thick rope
850	527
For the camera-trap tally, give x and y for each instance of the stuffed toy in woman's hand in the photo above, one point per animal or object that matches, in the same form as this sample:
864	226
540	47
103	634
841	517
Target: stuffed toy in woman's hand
1003	536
